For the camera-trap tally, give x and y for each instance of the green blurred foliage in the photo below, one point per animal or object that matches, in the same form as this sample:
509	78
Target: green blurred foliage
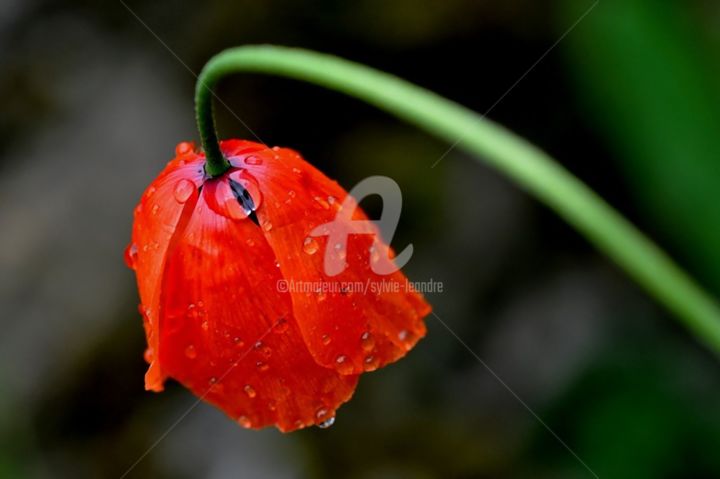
647	74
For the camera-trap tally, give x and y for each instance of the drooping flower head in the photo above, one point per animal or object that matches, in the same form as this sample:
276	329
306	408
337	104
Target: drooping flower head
236	302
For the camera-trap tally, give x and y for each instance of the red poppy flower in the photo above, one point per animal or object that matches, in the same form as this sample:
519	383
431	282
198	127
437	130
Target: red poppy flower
214	258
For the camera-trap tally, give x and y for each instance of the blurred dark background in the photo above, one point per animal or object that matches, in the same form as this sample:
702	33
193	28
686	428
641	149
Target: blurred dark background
93	105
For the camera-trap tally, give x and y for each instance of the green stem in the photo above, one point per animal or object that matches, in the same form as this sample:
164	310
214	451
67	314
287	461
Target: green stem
215	162
527	165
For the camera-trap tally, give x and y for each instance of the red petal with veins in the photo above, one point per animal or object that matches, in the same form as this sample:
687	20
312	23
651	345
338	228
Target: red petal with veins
350	328
155	220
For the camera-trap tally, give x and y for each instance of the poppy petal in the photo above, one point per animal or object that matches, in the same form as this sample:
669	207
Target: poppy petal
229	335
358	320
155	221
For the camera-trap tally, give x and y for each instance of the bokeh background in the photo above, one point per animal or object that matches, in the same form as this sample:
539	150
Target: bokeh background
93	105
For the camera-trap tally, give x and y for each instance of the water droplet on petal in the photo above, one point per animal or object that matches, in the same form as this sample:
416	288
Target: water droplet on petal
310	245
321	413
238	342
262	366
327	423
406	337
271	405
244	421
205	325
183	148
326	339
253	160
190	352
344	366
183	190
367	341
154	210
148	355
235	196
323	204
249	391
131	255
371	363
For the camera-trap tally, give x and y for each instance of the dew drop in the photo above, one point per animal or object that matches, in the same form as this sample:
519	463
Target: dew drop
407	338
212	380
249	391
327	423
131	255
321	413
244	421
310	245
271	405
344	366
154	210
205	325
183	148
253	160
326	339
235	196
371	363
238	342
297	171
367	341
262	366
148	355
190	352
183	190
323	204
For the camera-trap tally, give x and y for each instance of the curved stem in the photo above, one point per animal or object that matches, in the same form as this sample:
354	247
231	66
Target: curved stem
215	162
524	163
